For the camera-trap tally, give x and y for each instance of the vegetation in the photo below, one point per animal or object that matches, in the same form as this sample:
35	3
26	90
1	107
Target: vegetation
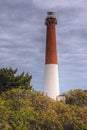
9	79
77	97
23	108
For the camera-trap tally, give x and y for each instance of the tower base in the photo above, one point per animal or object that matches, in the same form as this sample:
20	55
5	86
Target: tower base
51	85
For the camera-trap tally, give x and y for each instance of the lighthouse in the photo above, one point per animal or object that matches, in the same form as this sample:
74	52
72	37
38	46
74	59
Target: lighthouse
51	83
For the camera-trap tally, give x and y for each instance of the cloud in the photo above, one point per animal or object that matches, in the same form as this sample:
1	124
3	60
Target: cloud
48	4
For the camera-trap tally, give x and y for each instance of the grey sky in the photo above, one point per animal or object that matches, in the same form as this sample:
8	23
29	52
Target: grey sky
22	39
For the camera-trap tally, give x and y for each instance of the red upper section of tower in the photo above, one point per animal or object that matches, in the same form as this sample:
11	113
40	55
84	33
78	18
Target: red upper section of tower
51	53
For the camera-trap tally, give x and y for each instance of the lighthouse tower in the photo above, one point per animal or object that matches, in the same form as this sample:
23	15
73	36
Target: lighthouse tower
51	85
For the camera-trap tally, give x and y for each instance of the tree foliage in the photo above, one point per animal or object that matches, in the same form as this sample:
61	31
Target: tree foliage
23	108
9	79
77	97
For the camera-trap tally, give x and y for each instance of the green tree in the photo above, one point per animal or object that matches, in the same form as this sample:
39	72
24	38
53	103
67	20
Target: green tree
9	79
76	97
25	109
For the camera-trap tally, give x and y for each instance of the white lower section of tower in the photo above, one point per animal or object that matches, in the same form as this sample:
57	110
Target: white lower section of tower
51	85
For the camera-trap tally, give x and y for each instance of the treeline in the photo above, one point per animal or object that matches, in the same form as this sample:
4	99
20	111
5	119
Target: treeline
23	108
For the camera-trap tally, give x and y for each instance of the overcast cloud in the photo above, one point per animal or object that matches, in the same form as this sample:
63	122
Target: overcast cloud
22	39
